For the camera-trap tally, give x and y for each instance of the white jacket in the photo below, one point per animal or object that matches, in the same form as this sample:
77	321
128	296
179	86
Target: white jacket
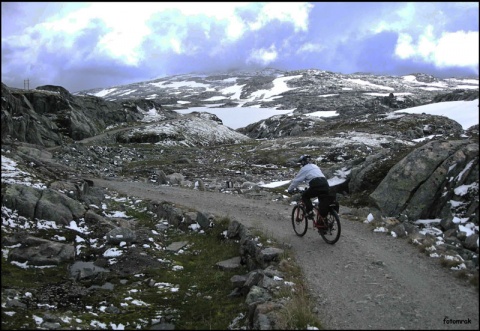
306	174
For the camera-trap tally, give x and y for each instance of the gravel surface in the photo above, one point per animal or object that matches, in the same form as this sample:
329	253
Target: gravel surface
366	280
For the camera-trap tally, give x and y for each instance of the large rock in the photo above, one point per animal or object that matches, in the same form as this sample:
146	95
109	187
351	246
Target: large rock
57	207
367	174
22	198
416	185
42	204
41	252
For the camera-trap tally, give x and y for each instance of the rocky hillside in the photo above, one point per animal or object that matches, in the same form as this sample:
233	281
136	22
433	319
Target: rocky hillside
351	97
413	175
308	90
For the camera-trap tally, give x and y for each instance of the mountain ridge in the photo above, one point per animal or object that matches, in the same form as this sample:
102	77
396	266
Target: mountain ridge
421	88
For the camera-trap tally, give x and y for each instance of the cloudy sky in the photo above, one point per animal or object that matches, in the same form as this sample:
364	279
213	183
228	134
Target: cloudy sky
81	45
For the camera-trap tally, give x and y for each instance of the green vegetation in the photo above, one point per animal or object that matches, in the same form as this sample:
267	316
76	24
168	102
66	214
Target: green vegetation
186	289
474	280
16	277
299	312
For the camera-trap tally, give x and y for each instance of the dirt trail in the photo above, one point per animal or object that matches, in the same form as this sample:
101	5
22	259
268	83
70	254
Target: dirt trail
366	280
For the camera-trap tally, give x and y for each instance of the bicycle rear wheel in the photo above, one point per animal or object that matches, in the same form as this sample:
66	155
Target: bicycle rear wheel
331	233
299	220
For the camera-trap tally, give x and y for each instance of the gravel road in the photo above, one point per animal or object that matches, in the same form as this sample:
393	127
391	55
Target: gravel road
366	280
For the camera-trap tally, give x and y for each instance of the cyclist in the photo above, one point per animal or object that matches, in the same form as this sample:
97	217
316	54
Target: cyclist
317	184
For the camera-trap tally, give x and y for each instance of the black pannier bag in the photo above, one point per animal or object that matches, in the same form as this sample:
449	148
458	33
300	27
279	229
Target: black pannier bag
334	203
333	198
324	202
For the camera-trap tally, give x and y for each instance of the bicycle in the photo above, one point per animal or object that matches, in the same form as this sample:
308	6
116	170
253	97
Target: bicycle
329	228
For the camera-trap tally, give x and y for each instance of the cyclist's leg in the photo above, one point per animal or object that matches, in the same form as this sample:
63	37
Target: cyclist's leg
322	195
322	205
306	198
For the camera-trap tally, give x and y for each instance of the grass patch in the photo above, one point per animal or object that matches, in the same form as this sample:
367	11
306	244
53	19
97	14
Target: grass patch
201	300
474	280
449	263
298	313
15	277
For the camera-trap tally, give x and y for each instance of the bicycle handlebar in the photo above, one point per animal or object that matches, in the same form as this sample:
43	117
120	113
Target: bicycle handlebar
297	190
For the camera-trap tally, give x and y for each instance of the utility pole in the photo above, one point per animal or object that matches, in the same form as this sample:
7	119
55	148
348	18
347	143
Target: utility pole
26	84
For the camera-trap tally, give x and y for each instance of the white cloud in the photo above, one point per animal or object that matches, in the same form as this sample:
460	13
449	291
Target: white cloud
426	43
404	48
127	26
451	49
70	24
422	35
126	23
176	45
295	13
398	21
310	48
263	56
235	29
411	18
217	10
458	48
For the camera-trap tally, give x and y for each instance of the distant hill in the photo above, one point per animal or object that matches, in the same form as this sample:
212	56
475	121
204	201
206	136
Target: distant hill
305	90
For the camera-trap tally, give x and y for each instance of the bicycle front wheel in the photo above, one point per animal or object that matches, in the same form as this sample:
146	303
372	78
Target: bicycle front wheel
299	221
333	229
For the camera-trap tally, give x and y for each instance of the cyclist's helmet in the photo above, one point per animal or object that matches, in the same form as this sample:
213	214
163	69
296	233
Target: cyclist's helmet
304	159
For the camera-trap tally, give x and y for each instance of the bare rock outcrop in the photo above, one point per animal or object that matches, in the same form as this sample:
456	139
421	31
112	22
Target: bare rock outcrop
415	186
49	115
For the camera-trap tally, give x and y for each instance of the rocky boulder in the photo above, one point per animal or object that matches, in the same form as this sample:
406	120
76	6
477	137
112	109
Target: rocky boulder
41	252
42	204
421	185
